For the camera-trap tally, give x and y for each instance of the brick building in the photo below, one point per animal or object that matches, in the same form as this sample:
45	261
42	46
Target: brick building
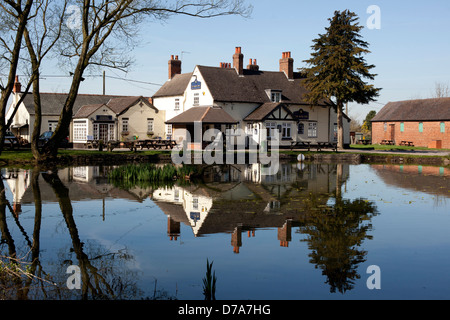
425	123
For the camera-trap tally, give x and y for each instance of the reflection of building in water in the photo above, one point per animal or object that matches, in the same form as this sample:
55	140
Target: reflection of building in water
18	182
240	199
84	183
428	179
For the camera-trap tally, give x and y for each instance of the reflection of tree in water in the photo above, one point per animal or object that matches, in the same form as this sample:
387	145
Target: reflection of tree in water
104	274
335	235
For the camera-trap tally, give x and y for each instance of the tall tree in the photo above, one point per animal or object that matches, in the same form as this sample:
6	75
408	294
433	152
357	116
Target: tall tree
337	68
105	33
14	16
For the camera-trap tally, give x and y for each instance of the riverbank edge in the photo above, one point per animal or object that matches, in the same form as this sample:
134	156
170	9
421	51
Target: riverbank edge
165	157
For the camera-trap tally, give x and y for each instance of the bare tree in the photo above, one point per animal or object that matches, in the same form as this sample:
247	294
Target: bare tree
41	35
14	16
441	90
107	30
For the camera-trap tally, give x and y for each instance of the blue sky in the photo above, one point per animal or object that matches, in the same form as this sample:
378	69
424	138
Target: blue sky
410	51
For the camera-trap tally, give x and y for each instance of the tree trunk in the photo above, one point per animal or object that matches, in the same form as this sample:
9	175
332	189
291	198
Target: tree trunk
340	123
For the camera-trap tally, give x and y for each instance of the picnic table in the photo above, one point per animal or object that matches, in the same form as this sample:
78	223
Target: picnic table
407	143
387	142
111	145
301	145
156	144
308	145
364	142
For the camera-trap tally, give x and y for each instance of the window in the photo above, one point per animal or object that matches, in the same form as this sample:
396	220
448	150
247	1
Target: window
421	127
402	127
312	130
125	124
169	131
301	128
286	131
52	125
149	125
385	127
79	131
442	127
196	99
195	203
177	104
271	127
275	97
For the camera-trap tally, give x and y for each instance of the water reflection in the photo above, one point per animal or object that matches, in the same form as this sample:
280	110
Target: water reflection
232	199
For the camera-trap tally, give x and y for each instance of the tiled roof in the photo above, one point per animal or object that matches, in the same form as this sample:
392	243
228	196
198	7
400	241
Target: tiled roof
226	85
263	111
86	111
52	103
174	87
415	110
203	114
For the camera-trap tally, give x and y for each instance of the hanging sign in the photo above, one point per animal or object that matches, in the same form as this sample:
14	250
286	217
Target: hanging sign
196	85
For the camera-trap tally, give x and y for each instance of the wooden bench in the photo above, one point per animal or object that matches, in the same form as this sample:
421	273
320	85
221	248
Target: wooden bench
323	145
318	146
407	143
387	142
156	144
301	145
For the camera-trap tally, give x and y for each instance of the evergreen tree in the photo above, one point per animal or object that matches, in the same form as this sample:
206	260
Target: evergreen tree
337	67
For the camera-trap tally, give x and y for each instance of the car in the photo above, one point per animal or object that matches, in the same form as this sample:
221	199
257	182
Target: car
11	140
47	135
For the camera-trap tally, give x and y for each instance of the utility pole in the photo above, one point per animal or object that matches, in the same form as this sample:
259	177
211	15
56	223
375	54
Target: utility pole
104	83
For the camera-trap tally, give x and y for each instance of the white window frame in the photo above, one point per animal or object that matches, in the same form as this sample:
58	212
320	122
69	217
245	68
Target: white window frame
125	125
275	96
150	124
286	129
80	130
312	130
52	124
177	104
196	99
271	128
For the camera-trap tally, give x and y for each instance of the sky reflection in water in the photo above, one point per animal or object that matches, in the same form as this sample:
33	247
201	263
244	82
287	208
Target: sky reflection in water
309	232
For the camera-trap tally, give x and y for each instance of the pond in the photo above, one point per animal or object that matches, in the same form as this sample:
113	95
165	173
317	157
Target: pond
312	231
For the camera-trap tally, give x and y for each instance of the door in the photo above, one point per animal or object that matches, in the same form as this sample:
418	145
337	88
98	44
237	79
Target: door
392	127
103	132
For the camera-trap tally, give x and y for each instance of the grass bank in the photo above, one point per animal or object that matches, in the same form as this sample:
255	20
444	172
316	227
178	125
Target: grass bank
365	154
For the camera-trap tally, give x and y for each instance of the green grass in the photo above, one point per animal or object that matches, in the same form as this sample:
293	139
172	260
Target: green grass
387	148
27	155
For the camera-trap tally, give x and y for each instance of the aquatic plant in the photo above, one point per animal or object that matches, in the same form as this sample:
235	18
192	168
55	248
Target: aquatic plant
209	282
149	174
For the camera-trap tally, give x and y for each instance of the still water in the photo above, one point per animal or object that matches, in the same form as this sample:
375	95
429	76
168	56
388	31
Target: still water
309	232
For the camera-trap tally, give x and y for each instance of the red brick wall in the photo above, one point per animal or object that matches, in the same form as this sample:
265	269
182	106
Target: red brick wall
431	131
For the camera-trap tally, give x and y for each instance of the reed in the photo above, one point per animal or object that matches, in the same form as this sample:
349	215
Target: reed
150	174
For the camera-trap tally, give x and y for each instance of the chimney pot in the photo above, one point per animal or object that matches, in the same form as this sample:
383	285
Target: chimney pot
238	61
287	65
17	88
174	66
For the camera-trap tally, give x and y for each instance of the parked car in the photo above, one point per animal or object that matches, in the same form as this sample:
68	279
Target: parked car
47	135
11	140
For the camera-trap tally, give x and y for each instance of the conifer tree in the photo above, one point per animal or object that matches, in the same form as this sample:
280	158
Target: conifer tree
337	68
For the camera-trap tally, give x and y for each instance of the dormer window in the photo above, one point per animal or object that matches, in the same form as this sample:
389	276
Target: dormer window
274	95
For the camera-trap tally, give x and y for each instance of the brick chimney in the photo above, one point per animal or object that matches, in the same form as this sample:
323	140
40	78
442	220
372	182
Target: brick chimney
287	65
238	61
252	65
174	66
17	86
